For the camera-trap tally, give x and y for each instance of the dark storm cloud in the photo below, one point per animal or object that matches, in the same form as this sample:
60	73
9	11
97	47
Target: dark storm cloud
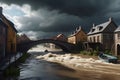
52	21
65	15
74	7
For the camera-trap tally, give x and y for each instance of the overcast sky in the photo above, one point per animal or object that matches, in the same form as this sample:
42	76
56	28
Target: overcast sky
45	18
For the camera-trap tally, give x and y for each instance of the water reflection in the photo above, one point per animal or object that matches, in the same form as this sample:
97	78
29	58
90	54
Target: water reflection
34	69
37	69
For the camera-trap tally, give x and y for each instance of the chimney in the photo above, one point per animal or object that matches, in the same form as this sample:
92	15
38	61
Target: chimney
1	9
93	25
80	27
110	19
76	29
74	32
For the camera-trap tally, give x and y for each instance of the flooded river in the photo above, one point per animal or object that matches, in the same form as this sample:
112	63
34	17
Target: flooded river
38	69
34	69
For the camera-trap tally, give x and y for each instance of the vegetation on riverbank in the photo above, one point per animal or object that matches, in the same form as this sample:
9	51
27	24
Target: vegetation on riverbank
23	58
94	53
79	48
13	69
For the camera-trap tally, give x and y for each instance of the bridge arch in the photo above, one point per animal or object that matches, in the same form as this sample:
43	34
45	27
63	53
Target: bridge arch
65	46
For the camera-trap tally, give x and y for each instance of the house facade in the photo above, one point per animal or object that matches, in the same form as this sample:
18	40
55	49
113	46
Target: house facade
78	36
103	33
61	37
117	41
3	39
11	34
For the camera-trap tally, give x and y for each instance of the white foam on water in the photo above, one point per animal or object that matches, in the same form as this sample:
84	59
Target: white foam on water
78	62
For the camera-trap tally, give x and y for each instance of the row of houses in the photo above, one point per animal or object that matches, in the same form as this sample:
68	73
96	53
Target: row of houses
107	34
8	37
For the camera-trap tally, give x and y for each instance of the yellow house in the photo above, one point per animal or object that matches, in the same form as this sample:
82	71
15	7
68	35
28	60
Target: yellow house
11	34
78	36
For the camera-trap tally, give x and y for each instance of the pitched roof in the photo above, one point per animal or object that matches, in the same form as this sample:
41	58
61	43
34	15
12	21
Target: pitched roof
118	29
3	18
60	35
99	28
11	23
1	22
76	32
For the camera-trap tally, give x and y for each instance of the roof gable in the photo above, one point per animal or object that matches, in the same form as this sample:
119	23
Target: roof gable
4	19
78	30
100	28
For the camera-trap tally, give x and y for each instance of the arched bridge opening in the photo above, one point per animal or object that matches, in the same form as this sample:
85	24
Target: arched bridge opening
65	46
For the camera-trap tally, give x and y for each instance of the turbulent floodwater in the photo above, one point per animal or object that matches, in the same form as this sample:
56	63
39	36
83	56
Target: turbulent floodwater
35	69
43	66
80	63
38	69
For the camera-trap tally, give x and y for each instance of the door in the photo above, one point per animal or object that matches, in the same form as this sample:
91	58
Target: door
118	49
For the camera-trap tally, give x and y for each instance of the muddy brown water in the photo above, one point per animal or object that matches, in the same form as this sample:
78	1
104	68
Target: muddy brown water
36	69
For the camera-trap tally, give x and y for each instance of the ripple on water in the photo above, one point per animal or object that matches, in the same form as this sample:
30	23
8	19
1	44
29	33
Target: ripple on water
37	69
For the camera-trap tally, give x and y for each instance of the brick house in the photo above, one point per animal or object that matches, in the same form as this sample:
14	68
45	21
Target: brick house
117	41
78	36
103	33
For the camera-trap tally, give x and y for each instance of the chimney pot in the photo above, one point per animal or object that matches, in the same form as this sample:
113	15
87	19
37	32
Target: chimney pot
93	25
1	9
76	29
80	27
110	19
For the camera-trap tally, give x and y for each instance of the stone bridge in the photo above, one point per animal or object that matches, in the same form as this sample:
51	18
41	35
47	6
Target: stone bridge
65	46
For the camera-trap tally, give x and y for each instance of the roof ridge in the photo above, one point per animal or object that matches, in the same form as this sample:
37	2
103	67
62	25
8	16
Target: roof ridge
9	22
103	23
97	27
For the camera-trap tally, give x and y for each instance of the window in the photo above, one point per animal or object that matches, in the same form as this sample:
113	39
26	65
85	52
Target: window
100	28
90	39
93	30
94	39
98	40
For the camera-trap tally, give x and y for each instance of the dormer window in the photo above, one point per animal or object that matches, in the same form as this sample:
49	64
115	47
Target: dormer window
93	30
100	28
